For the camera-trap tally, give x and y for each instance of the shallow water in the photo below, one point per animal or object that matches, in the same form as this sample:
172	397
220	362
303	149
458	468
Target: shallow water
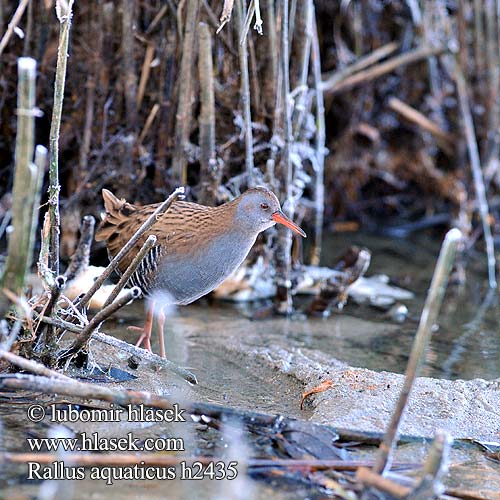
465	346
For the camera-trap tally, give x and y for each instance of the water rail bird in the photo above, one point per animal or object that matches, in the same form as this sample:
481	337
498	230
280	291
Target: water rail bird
197	246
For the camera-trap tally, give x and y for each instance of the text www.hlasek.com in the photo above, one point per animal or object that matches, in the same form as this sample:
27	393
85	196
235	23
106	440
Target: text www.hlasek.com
92	442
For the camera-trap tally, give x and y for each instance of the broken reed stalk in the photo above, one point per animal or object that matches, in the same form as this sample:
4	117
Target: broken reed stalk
64	15
150	221
303	39
427	320
270	83
25	199
148	244
227	9
361	63
208	166
128	63
81	258
410	57
145	72
18	14
319	167
283	299
184	114
477	173
429	485
245	93
444	139
435	466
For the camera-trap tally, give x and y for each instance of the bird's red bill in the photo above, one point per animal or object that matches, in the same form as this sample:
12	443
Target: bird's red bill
281	218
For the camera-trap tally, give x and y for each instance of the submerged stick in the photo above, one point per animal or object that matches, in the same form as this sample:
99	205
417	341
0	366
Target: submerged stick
477	173
422	337
150	221
26	181
64	14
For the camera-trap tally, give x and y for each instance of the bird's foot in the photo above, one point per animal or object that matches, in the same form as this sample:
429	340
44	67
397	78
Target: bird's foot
145	337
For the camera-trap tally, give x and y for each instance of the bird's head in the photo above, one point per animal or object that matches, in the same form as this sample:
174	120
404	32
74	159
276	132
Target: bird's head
259	208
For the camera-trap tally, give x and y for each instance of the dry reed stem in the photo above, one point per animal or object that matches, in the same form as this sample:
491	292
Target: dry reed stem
81	258
27	179
477	174
283	299
64	14
18	14
445	140
424	332
410	57
360	64
31	366
145	72
149	122
128	63
209	175
319	167
245	94
227	9
184	108
82	340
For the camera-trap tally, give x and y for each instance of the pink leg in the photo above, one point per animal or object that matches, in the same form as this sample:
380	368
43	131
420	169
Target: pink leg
146	331
161	327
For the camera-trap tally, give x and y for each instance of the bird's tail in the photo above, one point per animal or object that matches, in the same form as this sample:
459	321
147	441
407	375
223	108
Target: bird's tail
117	212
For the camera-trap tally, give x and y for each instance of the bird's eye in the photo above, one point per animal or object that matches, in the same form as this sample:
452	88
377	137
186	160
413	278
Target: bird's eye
264	206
